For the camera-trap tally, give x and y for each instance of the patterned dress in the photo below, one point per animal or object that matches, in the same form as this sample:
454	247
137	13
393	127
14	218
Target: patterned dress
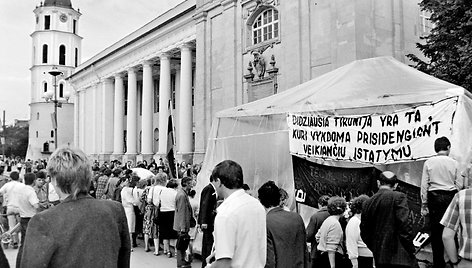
148	214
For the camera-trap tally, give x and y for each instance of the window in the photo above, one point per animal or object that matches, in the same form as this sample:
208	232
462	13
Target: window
76	57
266	26
425	23
37	116
52	133
61	90
74	26
47	22
37	134
45	85
45	53
156	96
62	55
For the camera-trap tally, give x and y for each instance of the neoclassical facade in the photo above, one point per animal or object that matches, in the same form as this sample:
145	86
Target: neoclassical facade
207	55
126	94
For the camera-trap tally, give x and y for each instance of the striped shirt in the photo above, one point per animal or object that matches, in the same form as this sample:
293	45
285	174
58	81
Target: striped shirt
458	217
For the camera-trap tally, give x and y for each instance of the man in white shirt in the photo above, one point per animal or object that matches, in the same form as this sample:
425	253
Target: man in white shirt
439	184
28	205
240	223
9	192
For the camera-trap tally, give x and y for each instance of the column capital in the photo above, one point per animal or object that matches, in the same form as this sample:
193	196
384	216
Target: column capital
147	62
132	69
164	56
119	75
106	80
186	46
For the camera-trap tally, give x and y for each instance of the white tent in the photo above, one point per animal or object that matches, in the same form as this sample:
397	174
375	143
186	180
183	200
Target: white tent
256	134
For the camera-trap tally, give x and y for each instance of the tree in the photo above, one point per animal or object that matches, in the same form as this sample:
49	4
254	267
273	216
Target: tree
16	139
448	47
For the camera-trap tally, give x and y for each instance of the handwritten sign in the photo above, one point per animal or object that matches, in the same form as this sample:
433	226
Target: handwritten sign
400	136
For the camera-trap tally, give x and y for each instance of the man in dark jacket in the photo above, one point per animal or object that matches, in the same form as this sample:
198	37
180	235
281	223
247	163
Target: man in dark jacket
286	238
182	219
206	218
314	225
81	231
385	226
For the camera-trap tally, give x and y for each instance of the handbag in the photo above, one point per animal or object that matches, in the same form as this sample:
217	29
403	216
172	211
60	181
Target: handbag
183	241
198	242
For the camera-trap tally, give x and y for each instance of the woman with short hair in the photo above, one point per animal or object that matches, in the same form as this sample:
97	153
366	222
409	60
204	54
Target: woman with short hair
129	201
153	196
166	216
357	250
92	232
330	235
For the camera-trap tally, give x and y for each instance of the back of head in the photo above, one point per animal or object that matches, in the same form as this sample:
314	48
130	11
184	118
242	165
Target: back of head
441	144
230	174
29	178
357	203
336	205
117	171
71	170
192	193
107	172
160	179
133	181
172	184
186	181
323	200
388	178
41	174
14	175
269	194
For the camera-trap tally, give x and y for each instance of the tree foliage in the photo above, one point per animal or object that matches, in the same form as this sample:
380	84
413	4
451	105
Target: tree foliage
16	141
448	48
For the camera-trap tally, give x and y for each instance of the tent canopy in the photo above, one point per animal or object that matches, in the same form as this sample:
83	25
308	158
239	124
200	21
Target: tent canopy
362	83
256	134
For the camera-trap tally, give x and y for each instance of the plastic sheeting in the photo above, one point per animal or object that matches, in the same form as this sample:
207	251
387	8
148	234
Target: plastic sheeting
256	134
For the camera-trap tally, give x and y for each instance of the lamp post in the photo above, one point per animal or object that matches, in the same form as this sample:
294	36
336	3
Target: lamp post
53	97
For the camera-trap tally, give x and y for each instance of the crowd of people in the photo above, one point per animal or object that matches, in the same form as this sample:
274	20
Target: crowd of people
239	229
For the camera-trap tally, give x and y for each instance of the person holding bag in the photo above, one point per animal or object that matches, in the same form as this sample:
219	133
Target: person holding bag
183	221
152	211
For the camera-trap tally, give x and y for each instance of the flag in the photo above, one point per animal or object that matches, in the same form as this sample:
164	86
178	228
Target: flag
170	144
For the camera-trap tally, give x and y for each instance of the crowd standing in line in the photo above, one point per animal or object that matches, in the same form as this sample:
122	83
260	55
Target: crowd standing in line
237	228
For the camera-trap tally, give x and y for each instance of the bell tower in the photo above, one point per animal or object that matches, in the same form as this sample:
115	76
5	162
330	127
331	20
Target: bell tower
56	53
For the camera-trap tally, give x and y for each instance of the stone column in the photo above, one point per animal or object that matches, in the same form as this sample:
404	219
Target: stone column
148	105
176	111
164	97
77	101
107	119
132	115
97	120
82	121
118	114
185	104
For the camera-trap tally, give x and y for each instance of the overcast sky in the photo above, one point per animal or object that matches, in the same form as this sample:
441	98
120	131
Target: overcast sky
102	24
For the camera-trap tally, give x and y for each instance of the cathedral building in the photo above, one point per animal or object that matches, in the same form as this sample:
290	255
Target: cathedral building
56	49
203	56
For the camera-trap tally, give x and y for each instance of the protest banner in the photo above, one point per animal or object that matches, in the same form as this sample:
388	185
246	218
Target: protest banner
400	136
